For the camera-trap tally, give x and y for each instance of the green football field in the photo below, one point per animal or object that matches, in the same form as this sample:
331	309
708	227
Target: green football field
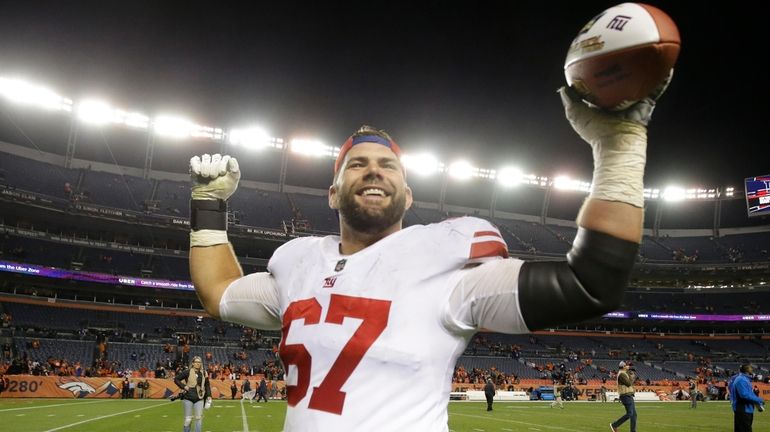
21	415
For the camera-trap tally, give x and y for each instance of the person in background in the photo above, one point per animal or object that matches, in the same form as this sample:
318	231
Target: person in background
626	379
489	393
233	390
262	390
743	399
557	399
196	393
693	394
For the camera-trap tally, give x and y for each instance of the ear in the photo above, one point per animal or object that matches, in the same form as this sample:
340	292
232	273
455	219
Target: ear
409	198
333	202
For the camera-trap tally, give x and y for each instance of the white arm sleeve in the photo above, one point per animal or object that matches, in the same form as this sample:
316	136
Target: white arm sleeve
252	301
486	297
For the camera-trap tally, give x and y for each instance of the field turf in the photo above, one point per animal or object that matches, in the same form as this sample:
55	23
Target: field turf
23	415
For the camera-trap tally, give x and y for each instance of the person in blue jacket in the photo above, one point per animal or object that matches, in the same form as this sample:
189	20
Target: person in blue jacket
743	399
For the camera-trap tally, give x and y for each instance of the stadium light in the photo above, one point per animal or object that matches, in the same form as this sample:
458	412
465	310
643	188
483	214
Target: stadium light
651	193
673	193
134	119
172	127
566	183
461	170
22	92
509	177
210	132
423	165
310	147
254	138
97	112
94	112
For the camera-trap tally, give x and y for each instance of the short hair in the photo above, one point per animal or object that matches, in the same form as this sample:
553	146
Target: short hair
745	367
371	130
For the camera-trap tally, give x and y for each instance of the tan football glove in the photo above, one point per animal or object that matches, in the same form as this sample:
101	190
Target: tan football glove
619	143
213	178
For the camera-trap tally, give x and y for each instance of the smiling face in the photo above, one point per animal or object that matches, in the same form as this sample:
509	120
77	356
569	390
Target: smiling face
370	191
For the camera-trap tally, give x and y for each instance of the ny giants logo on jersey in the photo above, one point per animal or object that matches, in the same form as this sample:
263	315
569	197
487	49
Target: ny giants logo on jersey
330	281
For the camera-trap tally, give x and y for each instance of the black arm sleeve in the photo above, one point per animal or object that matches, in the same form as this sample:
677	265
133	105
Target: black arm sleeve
181	377
590	283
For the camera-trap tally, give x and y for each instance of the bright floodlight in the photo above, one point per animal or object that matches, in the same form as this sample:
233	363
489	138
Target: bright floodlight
566	183
134	119
509	176
25	93
423	164
98	112
172	127
310	147
673	193
253	137
95	112
461	170
210	132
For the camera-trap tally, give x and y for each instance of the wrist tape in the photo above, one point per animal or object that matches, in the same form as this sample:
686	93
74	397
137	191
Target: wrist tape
619	162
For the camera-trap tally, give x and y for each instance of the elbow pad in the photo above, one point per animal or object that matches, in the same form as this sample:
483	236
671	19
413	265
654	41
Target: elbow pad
590	283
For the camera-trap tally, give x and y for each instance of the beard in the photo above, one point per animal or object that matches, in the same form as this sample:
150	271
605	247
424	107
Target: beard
370	220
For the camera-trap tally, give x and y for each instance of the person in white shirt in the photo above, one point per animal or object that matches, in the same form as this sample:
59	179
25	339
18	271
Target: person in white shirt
373	320
557	400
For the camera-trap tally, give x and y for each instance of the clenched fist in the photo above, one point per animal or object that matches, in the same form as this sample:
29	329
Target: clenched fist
214	177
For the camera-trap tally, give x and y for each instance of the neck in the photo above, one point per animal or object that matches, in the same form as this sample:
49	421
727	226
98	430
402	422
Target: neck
352	241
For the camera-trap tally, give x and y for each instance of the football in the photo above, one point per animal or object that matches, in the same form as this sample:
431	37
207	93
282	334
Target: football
622	55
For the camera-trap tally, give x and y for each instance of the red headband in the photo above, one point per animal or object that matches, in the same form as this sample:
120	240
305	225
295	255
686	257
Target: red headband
364	139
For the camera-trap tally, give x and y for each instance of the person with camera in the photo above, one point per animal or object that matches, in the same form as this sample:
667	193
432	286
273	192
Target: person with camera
195	394
626	377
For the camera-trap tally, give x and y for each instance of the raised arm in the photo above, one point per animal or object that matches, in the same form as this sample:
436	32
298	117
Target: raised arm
593	279
213	265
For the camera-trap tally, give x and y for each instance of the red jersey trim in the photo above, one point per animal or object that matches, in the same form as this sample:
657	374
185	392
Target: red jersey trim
486	233
488	249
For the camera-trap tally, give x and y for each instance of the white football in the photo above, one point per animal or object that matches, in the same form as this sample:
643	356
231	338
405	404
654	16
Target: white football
622	55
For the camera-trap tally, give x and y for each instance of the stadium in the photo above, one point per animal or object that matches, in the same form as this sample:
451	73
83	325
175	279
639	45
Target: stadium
99	312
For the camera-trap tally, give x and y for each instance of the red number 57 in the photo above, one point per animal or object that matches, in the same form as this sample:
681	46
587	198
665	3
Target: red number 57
327	396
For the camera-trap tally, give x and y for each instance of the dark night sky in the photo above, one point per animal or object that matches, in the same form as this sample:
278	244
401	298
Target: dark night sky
473	79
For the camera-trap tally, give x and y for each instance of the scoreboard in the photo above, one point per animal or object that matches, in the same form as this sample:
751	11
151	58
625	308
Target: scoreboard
758	195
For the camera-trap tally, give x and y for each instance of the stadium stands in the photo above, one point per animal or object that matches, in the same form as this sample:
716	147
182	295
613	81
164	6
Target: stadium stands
138	340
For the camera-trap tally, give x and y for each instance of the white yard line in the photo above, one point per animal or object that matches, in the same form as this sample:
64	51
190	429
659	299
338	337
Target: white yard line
243	416
54	405
103	417
519	422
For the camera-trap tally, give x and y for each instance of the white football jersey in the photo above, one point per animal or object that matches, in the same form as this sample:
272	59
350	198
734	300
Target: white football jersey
370	340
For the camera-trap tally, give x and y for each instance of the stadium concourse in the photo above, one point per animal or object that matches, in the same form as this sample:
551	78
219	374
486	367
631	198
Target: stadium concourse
94	284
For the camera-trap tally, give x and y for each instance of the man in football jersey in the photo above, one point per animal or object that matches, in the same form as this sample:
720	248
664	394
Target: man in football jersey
379	310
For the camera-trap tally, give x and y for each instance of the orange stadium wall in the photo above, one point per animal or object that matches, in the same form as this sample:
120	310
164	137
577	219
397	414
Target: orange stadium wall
30	386
594	390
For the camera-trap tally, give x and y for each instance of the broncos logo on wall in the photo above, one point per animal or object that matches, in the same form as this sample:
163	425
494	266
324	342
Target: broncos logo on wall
81	389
